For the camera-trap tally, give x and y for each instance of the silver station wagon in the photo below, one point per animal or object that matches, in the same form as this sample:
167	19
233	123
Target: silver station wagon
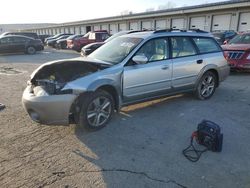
129	69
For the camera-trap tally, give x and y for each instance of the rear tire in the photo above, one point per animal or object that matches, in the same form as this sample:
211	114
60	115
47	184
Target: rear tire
31	50
96	110
206	86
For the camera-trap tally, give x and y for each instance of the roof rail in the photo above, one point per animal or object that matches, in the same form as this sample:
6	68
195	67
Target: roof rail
180	30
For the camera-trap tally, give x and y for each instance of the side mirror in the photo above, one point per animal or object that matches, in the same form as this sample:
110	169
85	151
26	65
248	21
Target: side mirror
225	42
140	59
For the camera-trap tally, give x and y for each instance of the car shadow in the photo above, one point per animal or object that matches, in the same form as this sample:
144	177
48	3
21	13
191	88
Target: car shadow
134	145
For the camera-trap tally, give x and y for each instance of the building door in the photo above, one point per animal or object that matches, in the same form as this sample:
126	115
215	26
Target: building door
221	22
197	23
178	23
244	23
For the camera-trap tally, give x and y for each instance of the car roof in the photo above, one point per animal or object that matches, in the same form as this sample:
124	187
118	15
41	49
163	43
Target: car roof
22	36
162	33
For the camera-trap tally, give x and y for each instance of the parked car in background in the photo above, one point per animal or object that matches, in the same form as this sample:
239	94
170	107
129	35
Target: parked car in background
237	51
16	43
54	37
90	37
62	43
127	70
88	49
27	34
52	42
223	36
43	37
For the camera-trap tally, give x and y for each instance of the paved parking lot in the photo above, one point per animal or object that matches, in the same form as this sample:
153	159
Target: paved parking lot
141	146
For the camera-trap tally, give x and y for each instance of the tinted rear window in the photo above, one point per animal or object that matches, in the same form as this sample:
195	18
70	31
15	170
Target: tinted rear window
206	45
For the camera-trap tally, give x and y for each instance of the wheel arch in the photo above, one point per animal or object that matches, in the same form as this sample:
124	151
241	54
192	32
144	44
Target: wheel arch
211	68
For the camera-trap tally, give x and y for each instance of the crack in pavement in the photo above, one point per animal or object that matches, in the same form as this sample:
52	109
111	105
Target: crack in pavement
62	175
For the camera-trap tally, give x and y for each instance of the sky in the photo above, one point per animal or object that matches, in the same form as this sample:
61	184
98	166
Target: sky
60	11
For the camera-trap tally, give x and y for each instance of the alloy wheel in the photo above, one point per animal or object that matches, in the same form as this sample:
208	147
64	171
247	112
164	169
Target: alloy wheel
207	86
99	111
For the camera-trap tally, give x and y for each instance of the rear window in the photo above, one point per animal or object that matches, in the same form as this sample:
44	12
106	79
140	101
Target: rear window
206	45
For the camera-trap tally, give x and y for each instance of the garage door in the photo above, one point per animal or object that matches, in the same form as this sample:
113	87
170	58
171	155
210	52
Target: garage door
72	30
113	29
244	23
105	27
197	23
161	24
83	29
77	30
178	23
134	26
221	22
147	25
122	27
96	27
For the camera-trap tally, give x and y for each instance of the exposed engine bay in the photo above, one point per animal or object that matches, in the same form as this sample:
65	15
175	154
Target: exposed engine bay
51	78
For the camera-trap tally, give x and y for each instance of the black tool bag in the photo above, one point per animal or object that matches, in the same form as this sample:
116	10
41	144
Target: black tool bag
209	135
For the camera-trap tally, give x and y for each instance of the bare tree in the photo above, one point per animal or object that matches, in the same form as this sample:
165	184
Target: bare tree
167	5
149	9
126	12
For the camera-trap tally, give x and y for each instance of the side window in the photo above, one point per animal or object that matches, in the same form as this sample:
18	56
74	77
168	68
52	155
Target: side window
182	46
19	40
6	40
206	45
155	50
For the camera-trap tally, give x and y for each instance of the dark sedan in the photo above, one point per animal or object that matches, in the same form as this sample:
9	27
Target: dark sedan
55	36
224	36
52	42
62	43
15	43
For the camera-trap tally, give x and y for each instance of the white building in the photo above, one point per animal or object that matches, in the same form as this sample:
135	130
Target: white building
227	15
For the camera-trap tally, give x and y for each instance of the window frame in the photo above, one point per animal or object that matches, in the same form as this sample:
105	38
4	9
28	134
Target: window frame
211	38
190	40
166	38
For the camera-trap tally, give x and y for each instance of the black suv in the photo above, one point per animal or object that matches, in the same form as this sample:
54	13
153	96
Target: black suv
18	43
27	34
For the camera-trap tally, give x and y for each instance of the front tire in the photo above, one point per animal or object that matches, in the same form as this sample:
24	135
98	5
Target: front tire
206	86
96	110
31	50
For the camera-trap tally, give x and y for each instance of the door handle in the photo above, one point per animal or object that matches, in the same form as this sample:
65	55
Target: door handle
165	67
200	61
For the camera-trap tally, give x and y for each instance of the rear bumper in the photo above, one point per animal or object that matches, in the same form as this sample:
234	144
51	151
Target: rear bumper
52	109
240	66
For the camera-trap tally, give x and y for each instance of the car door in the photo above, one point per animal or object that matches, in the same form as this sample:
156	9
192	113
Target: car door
152	78
19	44
6	45
186	62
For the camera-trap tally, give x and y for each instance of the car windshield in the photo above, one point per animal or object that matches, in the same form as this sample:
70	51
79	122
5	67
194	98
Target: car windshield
240	39
116	50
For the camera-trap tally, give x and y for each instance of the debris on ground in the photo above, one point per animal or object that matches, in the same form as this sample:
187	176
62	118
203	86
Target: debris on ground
2	106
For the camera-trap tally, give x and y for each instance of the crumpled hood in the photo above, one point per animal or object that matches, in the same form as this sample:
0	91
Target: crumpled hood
236	47
67	70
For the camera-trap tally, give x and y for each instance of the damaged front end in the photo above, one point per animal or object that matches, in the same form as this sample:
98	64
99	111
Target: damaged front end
49	79
45	98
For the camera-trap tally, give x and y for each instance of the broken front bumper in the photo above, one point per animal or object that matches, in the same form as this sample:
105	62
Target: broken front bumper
51	109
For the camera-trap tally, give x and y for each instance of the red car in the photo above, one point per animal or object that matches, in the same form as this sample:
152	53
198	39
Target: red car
237	52
90	37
